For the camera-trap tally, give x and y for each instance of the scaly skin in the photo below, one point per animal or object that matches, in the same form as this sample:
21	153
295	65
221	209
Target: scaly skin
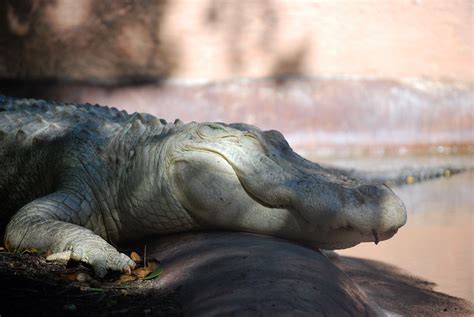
76	179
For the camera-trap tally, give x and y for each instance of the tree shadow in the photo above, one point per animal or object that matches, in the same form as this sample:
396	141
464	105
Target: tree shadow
49	44
290	65
231	17
44	43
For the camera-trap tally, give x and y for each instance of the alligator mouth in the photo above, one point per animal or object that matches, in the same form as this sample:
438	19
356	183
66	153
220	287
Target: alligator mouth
373	236
322	207
343	232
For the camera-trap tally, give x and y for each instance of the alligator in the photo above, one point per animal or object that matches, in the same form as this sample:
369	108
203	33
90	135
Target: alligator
78	179
403	176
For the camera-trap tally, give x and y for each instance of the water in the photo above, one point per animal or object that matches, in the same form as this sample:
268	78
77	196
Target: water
436	244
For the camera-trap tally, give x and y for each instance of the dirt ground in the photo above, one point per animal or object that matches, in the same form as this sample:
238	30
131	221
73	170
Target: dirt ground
31	286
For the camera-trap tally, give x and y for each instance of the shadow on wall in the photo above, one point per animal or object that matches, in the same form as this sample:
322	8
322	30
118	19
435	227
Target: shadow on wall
290	65
105	42
117	43
231	18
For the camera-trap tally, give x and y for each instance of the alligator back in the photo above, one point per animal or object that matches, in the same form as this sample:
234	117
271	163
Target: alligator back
34	135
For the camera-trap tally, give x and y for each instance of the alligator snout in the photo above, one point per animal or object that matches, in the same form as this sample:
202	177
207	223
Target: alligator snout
385	209
347	211
270	189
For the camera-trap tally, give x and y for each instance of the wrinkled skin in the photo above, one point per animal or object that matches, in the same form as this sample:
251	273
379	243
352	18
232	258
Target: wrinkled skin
238	177
78	179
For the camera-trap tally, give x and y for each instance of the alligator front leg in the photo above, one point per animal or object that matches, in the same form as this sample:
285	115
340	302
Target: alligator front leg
47	223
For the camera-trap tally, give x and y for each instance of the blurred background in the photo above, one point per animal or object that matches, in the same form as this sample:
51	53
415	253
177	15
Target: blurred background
365	84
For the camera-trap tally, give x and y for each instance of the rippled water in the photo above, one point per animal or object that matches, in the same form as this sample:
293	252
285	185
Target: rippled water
437	241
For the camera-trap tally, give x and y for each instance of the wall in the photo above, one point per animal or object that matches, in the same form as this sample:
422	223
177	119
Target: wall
333	75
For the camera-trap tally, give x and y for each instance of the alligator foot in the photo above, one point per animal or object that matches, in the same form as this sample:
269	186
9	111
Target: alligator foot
48	216
100	260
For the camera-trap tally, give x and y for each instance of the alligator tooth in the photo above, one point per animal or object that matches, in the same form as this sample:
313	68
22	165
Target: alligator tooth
376	237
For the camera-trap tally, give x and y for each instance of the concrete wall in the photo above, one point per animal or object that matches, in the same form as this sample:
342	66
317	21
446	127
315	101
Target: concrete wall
222	39
318	117
339	75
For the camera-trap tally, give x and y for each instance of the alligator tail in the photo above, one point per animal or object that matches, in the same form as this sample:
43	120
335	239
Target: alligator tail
404	176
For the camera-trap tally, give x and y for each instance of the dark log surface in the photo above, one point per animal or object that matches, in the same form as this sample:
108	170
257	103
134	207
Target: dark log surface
222	273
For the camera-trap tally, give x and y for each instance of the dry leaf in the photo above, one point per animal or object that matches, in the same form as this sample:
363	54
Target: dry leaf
152	265
71	276
142	272
125	278
135	257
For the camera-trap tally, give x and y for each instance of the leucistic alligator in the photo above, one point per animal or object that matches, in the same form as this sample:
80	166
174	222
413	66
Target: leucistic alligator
78	179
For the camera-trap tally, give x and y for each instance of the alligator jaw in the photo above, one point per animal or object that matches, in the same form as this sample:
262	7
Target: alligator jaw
241	178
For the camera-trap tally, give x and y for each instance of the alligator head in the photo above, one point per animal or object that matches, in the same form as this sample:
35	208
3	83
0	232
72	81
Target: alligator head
237	177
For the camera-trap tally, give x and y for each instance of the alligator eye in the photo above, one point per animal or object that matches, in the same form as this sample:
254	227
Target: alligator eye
212	130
